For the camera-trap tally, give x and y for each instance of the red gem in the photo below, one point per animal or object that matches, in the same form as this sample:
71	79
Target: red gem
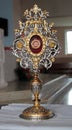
36	44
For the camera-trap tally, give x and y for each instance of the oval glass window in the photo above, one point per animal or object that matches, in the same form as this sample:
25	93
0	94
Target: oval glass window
36	44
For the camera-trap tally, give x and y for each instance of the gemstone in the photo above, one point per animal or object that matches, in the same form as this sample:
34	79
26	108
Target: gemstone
19	45
36	44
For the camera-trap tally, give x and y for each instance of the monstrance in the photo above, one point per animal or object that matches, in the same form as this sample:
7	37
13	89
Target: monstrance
35	45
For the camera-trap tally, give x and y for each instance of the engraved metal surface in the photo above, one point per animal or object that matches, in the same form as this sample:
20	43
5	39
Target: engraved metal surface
36	45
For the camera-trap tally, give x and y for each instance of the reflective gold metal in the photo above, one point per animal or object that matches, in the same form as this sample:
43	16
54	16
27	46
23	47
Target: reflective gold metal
36	112
36	44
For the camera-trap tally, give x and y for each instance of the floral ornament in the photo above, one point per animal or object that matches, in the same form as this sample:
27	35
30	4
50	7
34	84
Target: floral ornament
35	42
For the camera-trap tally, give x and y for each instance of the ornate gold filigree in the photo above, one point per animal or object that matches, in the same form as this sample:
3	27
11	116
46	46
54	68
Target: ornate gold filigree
36	45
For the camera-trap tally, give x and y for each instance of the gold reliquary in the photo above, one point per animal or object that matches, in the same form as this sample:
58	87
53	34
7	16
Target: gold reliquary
35	45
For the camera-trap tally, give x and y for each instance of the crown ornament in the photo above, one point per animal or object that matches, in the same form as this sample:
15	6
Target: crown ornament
35	45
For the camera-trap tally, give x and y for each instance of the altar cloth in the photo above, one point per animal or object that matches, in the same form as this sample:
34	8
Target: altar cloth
10	120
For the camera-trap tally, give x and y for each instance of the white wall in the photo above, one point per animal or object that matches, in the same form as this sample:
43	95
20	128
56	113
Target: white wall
60	11
10	65
17	14
56	8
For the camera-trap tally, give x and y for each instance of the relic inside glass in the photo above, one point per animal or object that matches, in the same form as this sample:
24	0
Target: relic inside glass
36	45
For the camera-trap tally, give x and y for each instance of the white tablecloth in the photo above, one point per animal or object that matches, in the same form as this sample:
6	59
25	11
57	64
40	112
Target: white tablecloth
10	120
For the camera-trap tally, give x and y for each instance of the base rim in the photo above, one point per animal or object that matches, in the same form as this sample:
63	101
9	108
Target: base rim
37	113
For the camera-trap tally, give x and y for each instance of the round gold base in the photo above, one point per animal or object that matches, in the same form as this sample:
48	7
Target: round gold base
37	113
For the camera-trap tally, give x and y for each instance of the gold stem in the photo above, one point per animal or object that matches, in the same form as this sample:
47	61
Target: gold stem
36	101
36	85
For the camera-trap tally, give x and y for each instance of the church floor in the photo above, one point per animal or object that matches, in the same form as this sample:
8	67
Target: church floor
20	88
